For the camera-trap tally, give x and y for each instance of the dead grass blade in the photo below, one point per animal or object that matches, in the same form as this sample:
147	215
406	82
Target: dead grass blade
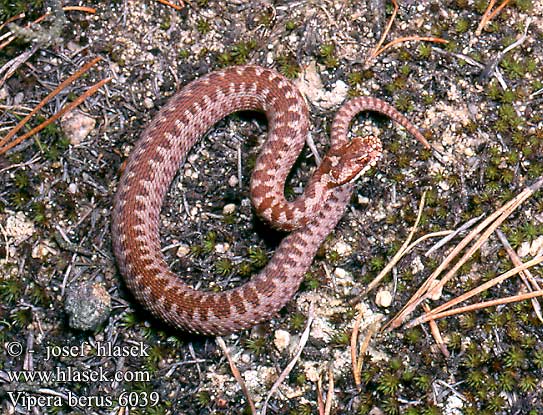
377	50
406	39
401	252
453	234
220	341
12	19
292	363
487	285
357	356
436	334
10	67
330	393
320	399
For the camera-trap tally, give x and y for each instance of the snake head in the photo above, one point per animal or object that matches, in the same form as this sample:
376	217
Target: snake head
349	161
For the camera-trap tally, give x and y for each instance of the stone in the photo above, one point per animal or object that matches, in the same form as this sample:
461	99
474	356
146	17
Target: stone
88	305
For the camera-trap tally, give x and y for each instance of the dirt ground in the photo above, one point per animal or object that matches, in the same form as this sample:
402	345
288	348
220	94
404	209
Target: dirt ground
75	341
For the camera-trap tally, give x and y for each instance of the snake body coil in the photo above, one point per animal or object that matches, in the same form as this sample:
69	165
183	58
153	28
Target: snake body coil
164	145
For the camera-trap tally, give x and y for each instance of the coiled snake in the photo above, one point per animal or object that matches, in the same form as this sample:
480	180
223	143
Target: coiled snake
163	147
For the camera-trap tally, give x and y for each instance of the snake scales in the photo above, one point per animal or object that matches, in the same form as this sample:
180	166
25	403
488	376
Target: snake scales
163	147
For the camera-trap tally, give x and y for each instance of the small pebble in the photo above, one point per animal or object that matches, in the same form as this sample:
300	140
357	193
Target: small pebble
222	248
183	251
363	200
43	249
536	246
246	357
523	249
3	93
148	103
340	273
19	98
343	248
383	298
233	181
229	209
77	126
73	46
281	339
19	227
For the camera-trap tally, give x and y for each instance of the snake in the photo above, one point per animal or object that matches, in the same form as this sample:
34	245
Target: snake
163	147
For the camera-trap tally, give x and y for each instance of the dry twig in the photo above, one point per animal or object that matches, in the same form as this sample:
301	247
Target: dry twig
453	234
401	252
330	394
406	39
472	307
436	334
377	47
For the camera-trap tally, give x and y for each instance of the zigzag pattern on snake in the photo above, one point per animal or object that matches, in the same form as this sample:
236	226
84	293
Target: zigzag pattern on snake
163	147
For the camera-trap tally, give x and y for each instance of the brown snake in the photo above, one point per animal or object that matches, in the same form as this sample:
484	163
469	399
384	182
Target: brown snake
163	147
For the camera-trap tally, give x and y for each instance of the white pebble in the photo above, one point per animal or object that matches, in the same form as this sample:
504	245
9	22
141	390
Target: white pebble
523	249
340	273
535	247
148	103
281	339
77	126
222	248
19	98
343	248
43	249
444	185
182	251
383	298
363	200
233	181
229	209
